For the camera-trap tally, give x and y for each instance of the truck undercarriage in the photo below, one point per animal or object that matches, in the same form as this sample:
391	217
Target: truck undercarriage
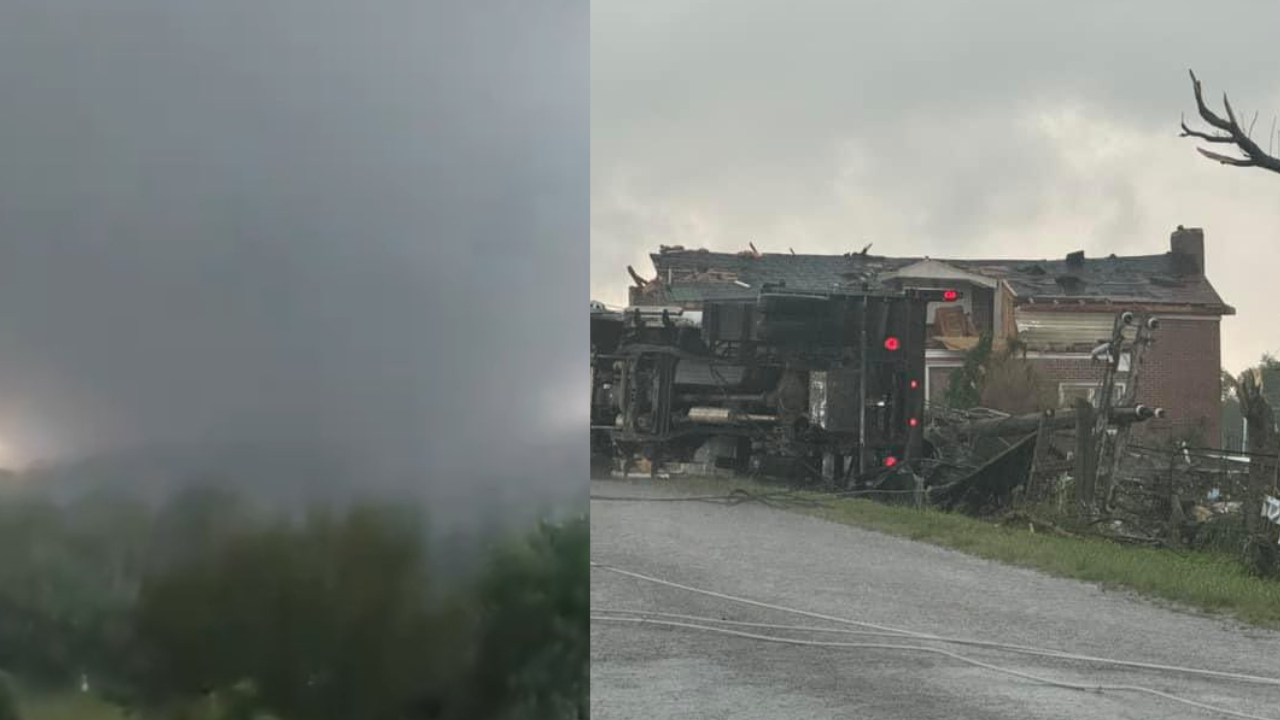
796	386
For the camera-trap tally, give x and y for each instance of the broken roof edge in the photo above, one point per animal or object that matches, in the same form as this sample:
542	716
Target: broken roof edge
655	257
665	251
1196	292
1115	304
684	250
928	269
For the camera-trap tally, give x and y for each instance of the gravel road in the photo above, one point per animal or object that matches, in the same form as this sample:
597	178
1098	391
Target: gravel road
785	558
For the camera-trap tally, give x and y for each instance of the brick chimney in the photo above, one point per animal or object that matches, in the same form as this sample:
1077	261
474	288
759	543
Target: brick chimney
1187	246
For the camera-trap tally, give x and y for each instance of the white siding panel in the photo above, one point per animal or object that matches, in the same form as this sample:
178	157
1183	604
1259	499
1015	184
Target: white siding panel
1061	329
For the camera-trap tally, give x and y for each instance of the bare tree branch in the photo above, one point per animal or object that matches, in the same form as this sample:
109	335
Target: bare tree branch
1231	116
1188	132
1208	115
1226	160
1233	134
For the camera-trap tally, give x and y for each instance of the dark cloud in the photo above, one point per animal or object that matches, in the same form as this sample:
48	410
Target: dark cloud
358	222
968	128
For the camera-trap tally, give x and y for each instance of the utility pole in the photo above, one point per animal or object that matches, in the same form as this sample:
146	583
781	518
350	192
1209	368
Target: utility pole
1098	432
1146	327
1086	457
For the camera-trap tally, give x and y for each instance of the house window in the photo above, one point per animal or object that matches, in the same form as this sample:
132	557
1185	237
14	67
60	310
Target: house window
1069	391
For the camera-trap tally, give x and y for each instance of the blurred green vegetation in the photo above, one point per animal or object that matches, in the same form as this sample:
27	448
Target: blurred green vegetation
65	704
10	708
209	608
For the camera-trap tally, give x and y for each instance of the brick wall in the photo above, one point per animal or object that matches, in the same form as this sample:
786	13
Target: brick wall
1180	373
1056	372
1060	370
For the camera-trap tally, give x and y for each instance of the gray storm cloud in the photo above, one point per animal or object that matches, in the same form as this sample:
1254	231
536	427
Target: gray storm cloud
356	224
964	129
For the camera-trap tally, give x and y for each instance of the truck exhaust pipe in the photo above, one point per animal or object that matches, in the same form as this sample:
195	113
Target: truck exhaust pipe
725	416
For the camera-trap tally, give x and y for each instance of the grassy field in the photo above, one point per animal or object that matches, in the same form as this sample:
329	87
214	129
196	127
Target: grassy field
1205	581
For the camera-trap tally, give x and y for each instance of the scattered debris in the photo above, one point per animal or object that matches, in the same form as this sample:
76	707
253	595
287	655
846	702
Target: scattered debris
635	276
823	390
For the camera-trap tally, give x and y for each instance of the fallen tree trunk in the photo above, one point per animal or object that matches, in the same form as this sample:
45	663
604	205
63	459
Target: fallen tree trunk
1056	420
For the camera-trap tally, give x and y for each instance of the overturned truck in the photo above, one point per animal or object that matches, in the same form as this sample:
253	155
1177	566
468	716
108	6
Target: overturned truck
797	386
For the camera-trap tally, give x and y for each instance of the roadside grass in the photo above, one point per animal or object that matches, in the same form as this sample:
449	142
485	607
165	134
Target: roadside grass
1203	580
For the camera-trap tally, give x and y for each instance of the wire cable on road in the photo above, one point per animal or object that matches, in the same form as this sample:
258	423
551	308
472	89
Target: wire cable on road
1084	687
1056	654
1022	649
741	623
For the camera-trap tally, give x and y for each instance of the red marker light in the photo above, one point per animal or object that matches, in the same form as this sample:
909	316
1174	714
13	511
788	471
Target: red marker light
915	384
891	343
913	422
950	296
890	461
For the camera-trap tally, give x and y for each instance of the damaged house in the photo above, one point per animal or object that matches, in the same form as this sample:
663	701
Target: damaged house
1058	310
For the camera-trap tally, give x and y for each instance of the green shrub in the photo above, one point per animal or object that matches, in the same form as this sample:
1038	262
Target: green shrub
327	619
1225	534
532	658
1261	558
964	387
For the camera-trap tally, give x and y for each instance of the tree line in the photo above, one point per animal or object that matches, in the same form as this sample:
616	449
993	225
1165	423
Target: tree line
209	607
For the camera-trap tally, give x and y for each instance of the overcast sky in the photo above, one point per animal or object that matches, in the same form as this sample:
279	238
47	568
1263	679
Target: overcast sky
355	223
990	128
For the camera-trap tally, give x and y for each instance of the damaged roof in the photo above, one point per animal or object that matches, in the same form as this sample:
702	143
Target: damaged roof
701	274
692	275
1143	278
